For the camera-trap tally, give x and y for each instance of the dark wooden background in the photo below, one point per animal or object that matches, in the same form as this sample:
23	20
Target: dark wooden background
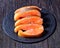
52	5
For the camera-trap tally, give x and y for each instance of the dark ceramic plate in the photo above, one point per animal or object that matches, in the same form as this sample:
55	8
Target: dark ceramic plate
49	26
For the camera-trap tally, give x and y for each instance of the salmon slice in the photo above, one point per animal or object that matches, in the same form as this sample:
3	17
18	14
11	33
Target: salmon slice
26	27
37	32
26	8
27	13
32	19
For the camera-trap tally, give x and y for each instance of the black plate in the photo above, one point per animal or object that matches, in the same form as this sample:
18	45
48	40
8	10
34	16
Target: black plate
49	25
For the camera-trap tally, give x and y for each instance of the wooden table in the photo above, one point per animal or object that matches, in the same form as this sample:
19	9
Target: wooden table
52	5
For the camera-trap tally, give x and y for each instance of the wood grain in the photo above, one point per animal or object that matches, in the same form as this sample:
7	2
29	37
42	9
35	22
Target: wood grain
52	5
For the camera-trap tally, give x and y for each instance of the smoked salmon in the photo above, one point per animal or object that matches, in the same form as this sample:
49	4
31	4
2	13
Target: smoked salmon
27	20
27	13
26	8
37	32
